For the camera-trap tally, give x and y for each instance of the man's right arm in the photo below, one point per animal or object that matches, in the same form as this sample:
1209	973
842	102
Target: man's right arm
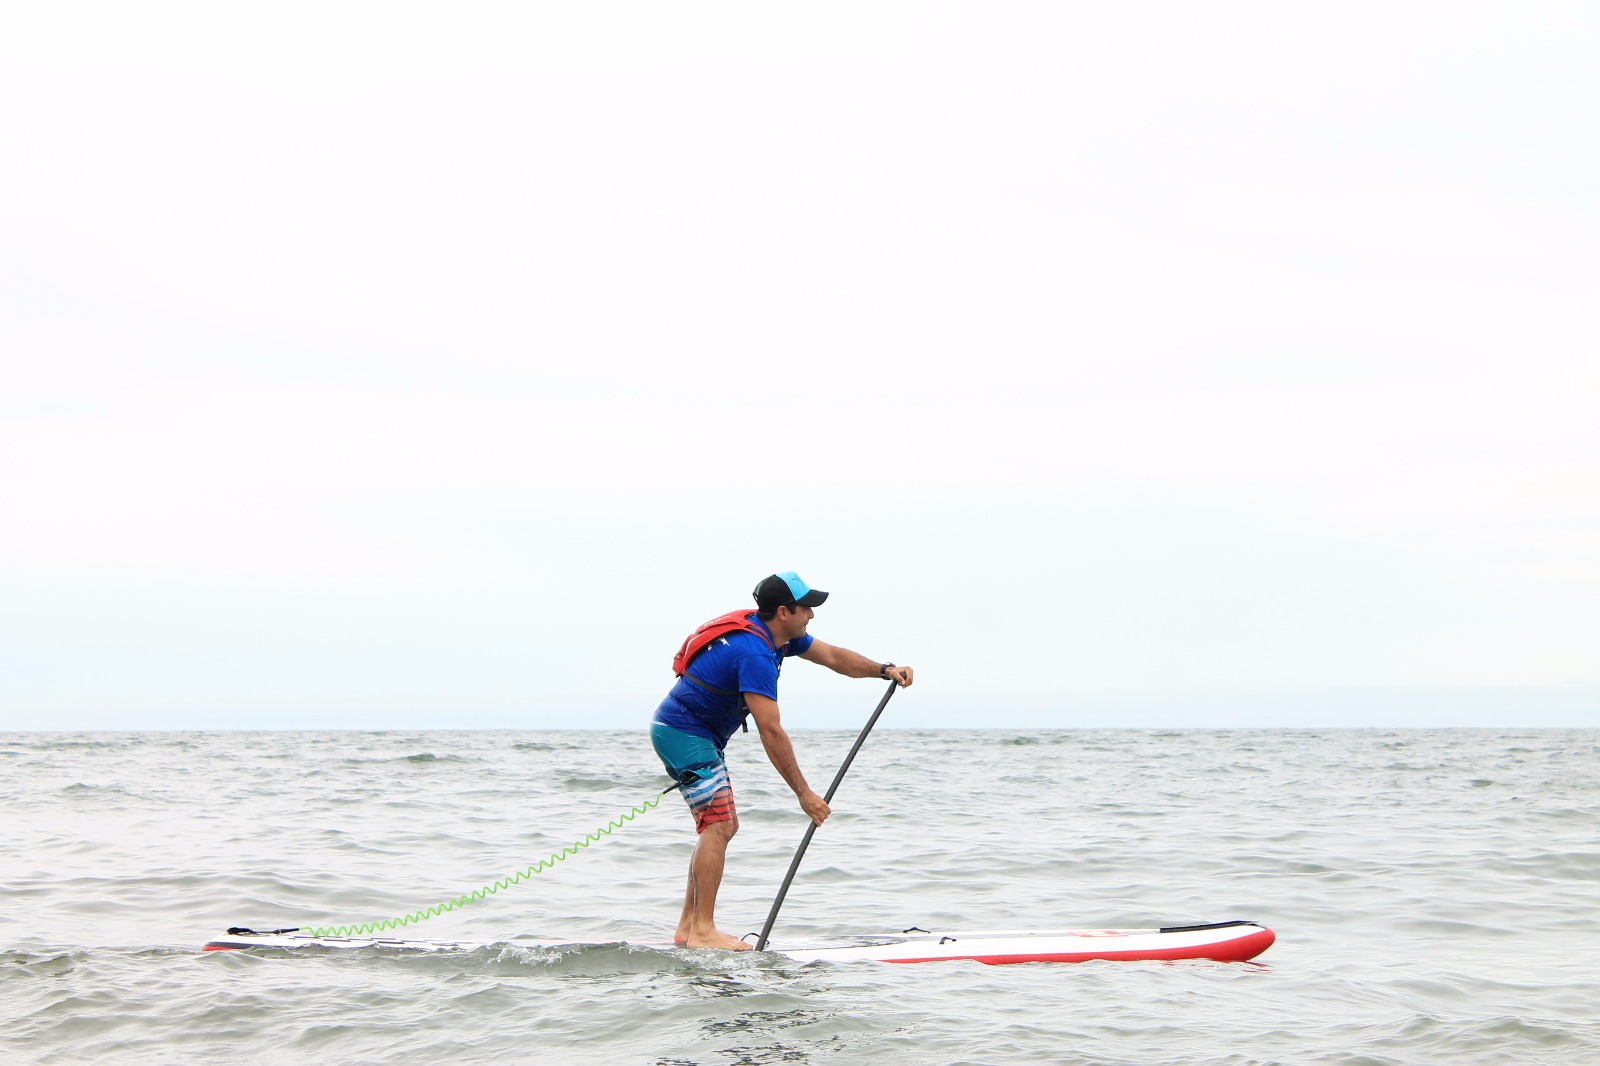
765	711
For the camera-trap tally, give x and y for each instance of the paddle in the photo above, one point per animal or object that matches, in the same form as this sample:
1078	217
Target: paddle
772	916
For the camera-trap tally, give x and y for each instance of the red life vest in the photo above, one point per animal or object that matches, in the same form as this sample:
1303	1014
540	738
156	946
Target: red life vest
719	626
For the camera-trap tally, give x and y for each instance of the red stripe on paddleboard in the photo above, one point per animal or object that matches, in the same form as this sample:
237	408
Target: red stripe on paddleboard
1241	949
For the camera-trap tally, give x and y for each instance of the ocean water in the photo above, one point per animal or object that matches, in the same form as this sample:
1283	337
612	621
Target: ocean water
1434	893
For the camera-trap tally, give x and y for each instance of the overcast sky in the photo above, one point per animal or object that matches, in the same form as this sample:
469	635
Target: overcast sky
378	365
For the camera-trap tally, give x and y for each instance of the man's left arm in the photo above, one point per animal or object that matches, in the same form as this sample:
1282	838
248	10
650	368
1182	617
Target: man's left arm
854	664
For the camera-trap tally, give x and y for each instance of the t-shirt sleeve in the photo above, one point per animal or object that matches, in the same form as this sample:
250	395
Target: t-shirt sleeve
799	645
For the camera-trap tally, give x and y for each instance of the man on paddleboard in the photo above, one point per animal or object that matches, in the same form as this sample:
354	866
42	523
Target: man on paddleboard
727	669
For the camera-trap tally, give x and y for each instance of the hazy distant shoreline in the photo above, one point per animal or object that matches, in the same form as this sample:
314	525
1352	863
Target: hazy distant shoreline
1570	706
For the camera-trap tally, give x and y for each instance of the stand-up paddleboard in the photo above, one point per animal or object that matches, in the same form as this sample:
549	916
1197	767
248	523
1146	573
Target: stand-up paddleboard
1220	942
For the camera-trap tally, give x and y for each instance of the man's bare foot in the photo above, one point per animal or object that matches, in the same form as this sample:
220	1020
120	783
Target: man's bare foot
717	939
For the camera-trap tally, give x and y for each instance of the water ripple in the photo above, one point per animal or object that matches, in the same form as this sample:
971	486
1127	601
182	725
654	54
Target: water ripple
1432	892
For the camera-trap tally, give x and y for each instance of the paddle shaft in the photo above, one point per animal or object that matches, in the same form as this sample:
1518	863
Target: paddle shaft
788	878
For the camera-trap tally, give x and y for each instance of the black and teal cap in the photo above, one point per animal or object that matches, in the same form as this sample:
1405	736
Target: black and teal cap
786	590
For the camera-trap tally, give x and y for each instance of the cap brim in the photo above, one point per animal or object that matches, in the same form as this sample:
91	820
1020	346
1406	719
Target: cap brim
813	598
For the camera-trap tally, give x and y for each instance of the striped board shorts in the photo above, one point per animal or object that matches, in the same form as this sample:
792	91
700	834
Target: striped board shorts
699	766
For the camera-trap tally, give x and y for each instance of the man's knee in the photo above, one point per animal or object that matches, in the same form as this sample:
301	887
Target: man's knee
722	830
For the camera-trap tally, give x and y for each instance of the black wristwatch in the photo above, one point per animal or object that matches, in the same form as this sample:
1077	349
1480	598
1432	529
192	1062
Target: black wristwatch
883	670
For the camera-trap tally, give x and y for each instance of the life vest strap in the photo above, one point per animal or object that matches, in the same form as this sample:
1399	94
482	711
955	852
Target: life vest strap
744	712
709	687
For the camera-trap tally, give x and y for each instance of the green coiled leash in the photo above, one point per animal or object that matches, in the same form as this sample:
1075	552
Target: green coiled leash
368	928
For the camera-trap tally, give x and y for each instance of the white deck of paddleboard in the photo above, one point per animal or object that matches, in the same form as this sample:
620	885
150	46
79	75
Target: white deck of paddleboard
1227	942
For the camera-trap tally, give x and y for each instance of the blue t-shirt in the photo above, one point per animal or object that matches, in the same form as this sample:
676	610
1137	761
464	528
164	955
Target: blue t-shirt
735	662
